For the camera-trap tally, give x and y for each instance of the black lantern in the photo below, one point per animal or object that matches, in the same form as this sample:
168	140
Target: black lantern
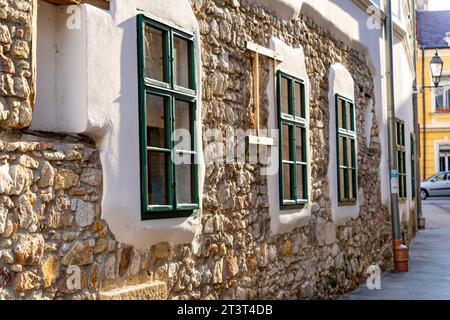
437	65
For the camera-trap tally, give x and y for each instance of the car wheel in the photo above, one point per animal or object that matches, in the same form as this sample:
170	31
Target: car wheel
423	194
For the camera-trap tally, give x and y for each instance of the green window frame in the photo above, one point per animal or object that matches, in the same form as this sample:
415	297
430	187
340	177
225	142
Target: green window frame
167	88
346	150
413	165
293	137
401	158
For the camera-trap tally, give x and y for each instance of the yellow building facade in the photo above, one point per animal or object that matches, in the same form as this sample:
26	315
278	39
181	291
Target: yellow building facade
434	116
433	103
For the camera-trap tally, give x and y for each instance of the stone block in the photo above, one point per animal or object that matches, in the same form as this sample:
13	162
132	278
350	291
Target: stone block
155	290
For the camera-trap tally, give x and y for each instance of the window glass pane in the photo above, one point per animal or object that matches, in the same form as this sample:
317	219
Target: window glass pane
183	125
350	184
300	180
439	101
351	154
351	116
157	179
285	136
404	186
298	100
441	177
156	124
154	53
346	184
447	105
284	95
181	63
403	135
341	113
299	134
342	183
287	194
341	151
404	162
400	186
183	173
442	164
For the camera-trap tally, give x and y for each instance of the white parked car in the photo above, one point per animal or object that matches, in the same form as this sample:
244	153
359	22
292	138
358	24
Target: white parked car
436	186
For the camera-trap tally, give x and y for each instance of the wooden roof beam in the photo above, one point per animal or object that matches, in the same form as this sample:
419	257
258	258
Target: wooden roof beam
103	4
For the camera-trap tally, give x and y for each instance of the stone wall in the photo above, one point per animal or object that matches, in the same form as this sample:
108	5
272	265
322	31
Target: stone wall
50	203
54	245
16	68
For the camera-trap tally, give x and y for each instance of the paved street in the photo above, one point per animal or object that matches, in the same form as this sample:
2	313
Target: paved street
429	275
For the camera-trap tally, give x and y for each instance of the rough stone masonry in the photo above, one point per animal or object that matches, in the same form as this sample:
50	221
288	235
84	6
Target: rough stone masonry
51	185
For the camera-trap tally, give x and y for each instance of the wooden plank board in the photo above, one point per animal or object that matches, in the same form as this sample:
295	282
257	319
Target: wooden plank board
256	90
264	51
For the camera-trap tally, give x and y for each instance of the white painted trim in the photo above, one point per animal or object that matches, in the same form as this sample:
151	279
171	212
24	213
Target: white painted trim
438	126
437	146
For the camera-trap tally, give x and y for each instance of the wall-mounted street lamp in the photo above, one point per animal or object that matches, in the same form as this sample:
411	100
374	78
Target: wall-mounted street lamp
437	65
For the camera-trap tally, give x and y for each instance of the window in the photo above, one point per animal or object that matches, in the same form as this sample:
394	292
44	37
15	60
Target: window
346	150
401	158
442	99
444	158
167	108
293	140
413	165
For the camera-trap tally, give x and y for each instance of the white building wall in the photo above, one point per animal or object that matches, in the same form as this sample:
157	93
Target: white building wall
403	80
359	32
101	97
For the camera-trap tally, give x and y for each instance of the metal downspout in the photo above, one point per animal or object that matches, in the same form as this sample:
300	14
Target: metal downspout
400	251
420	219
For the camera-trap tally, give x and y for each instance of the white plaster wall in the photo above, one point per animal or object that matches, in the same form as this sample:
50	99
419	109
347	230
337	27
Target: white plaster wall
369	115
283	221
104	53
61	72
106	105
403	80
45	106
357	33
340	82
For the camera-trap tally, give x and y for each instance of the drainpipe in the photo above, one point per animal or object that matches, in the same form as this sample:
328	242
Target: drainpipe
420	218
400	250
424	123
